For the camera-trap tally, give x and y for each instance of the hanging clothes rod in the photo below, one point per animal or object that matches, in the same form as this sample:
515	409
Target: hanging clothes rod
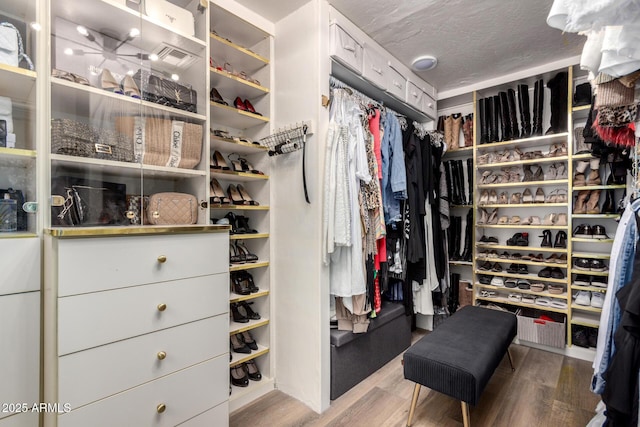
334	83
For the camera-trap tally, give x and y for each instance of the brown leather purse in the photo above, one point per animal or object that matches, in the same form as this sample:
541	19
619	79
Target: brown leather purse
172	209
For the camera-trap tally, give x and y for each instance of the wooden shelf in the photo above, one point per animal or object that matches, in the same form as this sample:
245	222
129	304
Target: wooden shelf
18	235
237	176
521	248
581	108
236	328
229	85
519	261
591	255
587	156
562	296
233	297
460	206
462	151
534	141
525	184
596	216
585	319
15	157
523	227
525	205
504	300
589	272
239	358
240	207
232	117
598	187
239	147
462	263
588	288
247	236
575	306
228	51
248	266
18	84
581	240
529	277
524	162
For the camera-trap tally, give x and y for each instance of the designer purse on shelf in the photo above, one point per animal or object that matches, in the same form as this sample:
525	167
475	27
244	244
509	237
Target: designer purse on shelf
172	209
11	47
19	198
6	114
166	92
88	202
136	208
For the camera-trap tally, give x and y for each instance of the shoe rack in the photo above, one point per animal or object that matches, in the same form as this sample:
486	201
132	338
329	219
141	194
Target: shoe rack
240	73
522	201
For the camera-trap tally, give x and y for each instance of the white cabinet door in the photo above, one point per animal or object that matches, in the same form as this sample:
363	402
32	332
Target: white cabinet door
19	350
90	375
184	393
95	264
90	320
21	270
345	48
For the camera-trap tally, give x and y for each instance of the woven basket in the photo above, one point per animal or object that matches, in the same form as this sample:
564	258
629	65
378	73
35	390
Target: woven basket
160	148
78	139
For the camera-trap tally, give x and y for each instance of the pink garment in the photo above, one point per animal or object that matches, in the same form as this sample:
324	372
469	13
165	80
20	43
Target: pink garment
374	127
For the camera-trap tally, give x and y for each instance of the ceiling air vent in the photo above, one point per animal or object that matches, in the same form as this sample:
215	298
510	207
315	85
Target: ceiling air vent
173	56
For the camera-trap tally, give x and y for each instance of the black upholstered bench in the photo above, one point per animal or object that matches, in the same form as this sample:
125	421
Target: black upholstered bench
459	357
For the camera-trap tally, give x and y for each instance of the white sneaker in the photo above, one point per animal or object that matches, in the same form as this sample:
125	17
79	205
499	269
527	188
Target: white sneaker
597	299
583	298
497	281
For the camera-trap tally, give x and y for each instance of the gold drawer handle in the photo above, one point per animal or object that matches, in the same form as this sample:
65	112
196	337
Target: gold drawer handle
161	408
162	307
162	355
162	259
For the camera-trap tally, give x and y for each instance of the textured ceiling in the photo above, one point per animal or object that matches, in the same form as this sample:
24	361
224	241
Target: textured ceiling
473	40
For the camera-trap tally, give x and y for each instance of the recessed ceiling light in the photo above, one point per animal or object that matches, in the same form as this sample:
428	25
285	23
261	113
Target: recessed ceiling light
424	63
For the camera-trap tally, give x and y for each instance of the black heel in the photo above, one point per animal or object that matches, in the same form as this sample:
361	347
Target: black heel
250	283
546	239
244	252
236	315
234	195
250	313
240	285
561	240
243	223
234	256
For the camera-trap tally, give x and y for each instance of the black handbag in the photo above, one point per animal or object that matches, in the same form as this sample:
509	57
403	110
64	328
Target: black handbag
19	198
88	203
163	91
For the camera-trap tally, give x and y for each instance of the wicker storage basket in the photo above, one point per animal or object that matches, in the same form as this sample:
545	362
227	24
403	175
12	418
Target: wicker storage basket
163	142
78	139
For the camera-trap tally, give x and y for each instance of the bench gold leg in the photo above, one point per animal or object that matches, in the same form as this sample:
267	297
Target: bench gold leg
414	400
513	368
465	414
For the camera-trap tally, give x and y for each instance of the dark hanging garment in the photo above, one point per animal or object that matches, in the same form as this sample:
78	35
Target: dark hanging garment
431	160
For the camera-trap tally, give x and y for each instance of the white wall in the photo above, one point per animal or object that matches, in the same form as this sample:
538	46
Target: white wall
301	285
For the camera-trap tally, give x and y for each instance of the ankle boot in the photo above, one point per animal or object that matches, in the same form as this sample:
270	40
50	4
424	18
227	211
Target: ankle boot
593	202
609	206
448	132
482	119
525	113
455	130
580	207
490	111
461	191
467	130
579	179
538	105
559	115
470	173
504	114
513	115
449	180
594	174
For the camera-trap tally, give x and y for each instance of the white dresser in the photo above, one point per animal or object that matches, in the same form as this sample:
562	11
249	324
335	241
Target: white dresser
136	329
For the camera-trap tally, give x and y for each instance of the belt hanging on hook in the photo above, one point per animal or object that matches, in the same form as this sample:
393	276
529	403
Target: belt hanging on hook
304	154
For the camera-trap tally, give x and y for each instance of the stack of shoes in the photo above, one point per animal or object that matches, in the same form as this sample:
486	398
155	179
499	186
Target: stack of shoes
588	298
593	178
586	264
586	231
519	239
243	372
452	126
583	336
560	241
587	280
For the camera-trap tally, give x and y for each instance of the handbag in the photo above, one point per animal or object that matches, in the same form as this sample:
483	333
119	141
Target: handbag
78	139
172	209
166	92
19	199
6	114
11	47
136	207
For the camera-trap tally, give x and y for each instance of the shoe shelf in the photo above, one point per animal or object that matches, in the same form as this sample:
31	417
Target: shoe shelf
524	227
265	383
529	277
589	272
521	261
466	151
246	357
505	300
17	83
73	98
534	141
121	20
247	236
562	296
581	108
597	216
525	184
588	288
585	156
228	84
591	255
236	328
233	297
224	50
248	266
238	176
524	162
521	248
586	240
525	205
598	187
464	263
575	306
235	118
229	207
585	319
238	146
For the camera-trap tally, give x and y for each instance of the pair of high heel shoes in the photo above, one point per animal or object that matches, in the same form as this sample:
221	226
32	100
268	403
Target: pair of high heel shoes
243	343
242	373
242	283
239	224
239	195
241	312
216	193
127	86
488	218
239	164
239	254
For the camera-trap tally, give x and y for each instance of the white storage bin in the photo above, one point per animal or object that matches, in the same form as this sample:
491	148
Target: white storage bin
414	96
396	83
429	105
345	49
374	68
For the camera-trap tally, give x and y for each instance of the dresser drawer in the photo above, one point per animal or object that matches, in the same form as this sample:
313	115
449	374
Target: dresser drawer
90	375
184	393
95	264
21	270
20	350
218	417
25	419
345	48
90	320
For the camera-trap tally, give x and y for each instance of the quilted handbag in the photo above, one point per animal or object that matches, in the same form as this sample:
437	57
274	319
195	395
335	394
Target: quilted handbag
172	209
166	92
11	47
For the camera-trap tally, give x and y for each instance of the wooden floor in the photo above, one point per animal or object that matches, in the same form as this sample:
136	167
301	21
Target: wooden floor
547	389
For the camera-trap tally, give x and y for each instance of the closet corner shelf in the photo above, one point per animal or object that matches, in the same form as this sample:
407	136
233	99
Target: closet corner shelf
227	82
17	83
236	328
597	216
233	297
240	207
525	183
232	117
575	306
534	141
240	147
524	162
585	319
238	48
521	248
244	358
591	255
247	236
521	226
521	304
530	277
598	187
582	240
248	266
525	205
588	288
238	176
465	263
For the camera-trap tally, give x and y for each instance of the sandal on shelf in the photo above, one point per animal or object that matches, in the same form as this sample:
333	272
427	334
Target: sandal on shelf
514	297
215	96
514	220
248	167
556	303
503	220
236	315
216	194
220	133
218	162
245	196
493	217
516	199
234	195
250	314
248	256
537	287
539	174
503	198
543	301
252	370
484	197
234	256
